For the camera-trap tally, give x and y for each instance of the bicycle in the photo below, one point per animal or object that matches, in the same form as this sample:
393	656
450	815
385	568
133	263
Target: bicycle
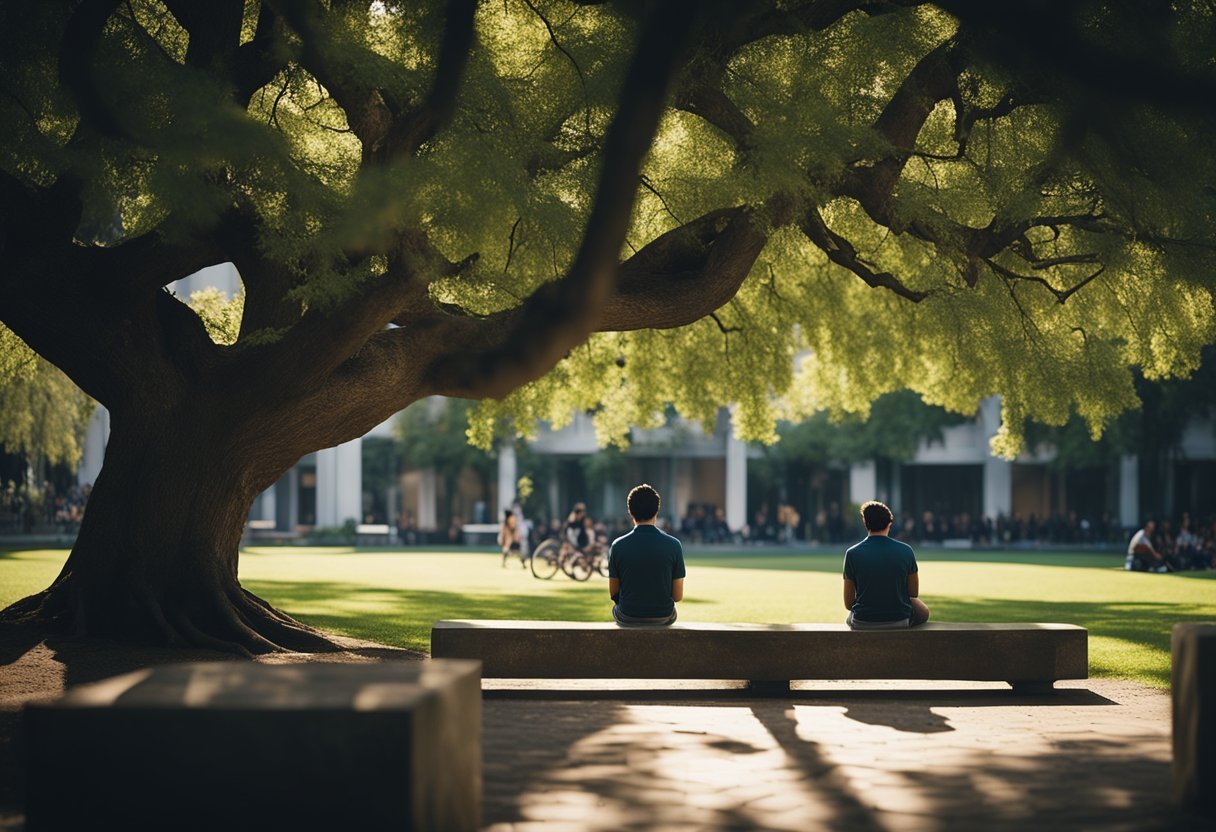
577	564
546	559
554	554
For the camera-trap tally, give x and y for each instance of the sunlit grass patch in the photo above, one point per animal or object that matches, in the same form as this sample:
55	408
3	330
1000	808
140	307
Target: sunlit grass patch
394	596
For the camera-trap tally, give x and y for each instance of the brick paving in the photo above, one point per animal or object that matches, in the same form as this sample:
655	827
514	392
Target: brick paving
874	756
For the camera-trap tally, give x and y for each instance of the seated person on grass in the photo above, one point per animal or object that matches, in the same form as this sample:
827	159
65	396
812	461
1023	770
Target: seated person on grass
1142	556
880	578
645	567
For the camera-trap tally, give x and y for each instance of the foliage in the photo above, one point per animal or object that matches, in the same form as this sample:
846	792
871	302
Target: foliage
431	434
991	325
936	211
17	361
1154	429
898	423
43	415
220	314
604	466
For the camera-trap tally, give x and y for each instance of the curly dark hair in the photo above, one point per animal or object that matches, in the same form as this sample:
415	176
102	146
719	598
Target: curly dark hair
876	516
643	503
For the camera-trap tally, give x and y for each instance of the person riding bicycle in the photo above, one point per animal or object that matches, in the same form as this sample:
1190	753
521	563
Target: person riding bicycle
575	529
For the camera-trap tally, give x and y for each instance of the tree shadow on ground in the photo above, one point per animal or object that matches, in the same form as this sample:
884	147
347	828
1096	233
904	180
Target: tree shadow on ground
788	765
1080	783
567	762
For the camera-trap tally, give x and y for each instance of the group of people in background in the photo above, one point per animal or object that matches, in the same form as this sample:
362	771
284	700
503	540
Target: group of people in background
42	509
1159	548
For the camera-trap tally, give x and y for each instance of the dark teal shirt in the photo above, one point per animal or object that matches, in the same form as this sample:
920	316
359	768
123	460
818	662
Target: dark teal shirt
646	561
879	567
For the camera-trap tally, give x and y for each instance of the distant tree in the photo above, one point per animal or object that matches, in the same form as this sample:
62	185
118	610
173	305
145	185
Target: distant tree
897	425
1153	432
433	434
584	204
43	416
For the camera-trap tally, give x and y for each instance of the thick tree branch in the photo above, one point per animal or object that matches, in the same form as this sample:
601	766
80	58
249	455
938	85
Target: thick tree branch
77	51
369	110
214	29
675	280
933	79
492	357
255	63
714	106
380	117
685	274
413	128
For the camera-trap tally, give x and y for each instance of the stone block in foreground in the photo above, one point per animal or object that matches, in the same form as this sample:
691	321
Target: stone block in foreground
1194	694
240	745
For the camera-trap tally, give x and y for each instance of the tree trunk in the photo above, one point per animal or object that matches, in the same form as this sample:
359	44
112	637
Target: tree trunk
156	557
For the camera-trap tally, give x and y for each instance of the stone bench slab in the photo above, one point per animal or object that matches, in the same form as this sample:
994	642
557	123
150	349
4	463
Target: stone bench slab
240	745
1022	654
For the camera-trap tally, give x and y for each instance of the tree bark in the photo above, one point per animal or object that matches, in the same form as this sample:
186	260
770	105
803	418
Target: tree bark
156	557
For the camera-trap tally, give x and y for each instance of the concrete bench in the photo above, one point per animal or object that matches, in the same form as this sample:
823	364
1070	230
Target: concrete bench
239	745
373	534
1194	704
1030	657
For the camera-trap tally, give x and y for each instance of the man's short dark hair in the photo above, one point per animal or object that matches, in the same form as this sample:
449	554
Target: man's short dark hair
876	516
643	502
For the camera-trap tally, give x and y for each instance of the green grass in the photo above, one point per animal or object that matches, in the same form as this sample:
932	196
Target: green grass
394	596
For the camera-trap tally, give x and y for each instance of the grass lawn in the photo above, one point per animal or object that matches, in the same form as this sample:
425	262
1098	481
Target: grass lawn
394	596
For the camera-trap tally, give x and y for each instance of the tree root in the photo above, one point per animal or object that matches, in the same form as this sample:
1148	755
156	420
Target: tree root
224	617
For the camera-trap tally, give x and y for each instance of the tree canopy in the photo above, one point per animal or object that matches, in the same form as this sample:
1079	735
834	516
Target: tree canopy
1027	186
788	205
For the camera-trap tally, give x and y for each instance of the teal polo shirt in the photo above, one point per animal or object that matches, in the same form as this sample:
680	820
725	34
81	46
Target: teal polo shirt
646	561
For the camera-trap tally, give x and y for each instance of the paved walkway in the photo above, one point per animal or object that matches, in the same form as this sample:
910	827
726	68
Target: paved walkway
836	756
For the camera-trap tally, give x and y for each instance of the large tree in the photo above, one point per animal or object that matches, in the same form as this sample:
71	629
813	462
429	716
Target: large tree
555	205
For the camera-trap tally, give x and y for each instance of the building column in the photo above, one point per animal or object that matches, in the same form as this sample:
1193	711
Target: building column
96	436
340	484
998	487
612	501
863	481
428	496
1129	491
268	505
555	510
287	501
736	482
681	489
508	479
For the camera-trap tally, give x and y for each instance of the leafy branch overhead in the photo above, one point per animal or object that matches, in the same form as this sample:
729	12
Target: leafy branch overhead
787	206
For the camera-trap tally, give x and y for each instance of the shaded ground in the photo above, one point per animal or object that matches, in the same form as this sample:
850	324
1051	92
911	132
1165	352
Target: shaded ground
858	756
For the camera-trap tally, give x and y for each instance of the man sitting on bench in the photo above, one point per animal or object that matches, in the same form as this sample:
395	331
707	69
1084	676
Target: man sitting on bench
880	578
645	567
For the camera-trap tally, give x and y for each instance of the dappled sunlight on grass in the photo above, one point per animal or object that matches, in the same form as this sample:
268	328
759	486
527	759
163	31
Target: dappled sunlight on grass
394	596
